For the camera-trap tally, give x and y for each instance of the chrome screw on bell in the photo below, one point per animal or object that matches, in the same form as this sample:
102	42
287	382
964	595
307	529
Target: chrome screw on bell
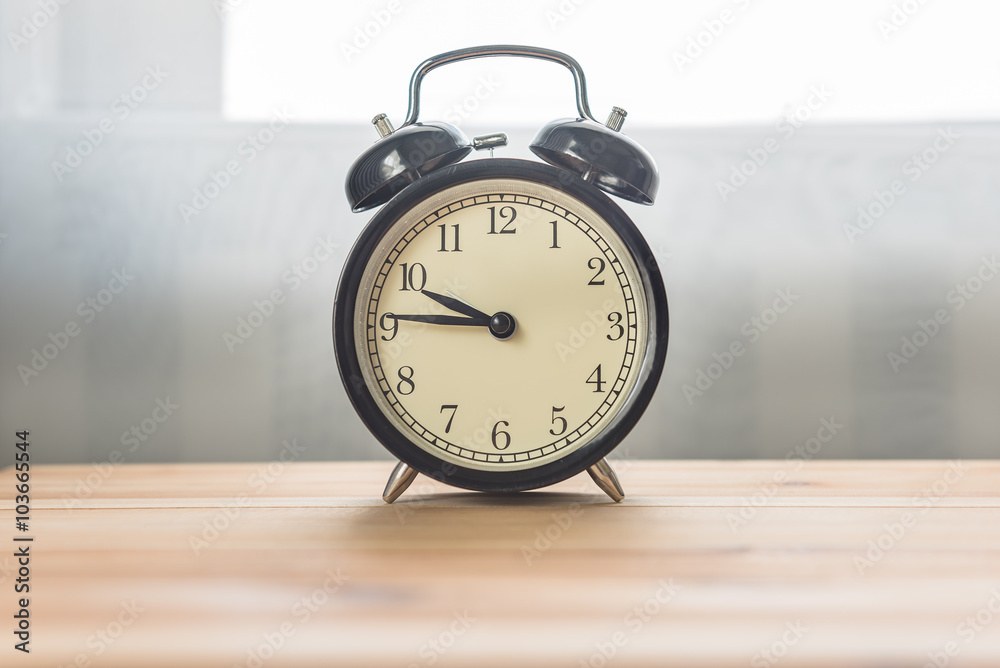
384	125
615	119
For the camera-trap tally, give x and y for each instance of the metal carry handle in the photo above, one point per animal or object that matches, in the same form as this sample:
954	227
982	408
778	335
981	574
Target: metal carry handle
582	106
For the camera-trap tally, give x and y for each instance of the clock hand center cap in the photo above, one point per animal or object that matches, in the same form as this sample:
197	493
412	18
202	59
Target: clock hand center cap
502	325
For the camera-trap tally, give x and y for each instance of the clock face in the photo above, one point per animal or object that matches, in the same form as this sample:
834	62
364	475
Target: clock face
500	325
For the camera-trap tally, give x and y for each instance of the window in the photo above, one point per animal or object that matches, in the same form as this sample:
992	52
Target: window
731	62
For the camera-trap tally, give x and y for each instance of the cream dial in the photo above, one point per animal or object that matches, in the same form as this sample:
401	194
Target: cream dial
474	395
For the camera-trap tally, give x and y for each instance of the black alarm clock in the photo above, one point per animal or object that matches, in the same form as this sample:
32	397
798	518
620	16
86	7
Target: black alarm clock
500	324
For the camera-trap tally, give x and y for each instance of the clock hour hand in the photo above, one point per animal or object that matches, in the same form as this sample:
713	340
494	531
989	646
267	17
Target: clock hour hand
501	324
432	319
456	305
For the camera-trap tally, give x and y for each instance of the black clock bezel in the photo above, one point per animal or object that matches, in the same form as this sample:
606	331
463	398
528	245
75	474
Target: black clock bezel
425	462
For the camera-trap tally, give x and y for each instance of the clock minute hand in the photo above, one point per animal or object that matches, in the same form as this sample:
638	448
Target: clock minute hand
432	319
501	324
455	305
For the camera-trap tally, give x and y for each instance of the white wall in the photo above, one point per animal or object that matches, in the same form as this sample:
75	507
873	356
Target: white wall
722	262
69	58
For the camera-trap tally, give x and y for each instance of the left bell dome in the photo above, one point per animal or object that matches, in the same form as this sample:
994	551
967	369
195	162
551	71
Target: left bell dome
401	157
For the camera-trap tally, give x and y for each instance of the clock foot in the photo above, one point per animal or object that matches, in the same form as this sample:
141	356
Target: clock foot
399	480
605	477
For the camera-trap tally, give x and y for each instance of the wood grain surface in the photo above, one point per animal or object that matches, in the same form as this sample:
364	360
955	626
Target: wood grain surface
788	563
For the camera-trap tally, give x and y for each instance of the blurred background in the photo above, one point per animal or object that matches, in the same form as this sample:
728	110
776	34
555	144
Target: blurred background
829	199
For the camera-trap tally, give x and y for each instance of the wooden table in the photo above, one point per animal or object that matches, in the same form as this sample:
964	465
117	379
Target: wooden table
758	563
